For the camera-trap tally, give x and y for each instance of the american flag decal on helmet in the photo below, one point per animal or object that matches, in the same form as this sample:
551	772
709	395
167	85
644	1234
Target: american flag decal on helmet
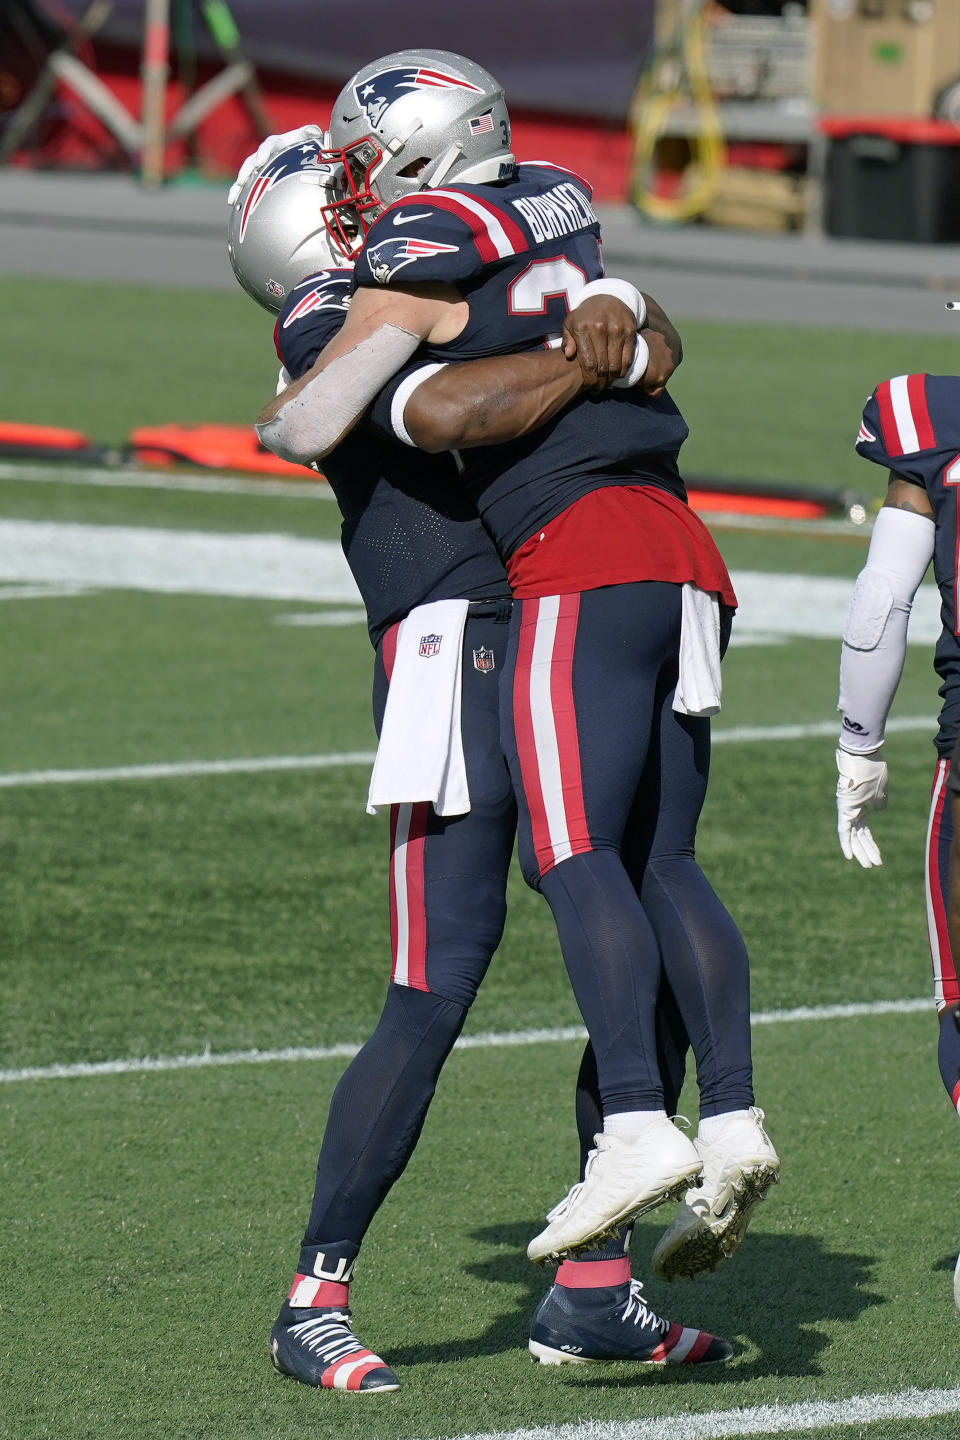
482	124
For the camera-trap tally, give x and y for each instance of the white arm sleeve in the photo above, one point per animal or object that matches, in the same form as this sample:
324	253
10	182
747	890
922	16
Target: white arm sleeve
875	631
314	421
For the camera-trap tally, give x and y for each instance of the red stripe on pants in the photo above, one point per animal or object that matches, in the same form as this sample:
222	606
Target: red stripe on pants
408	917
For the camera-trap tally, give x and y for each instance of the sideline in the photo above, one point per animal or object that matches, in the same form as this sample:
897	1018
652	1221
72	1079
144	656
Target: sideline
489	1040
911	1404
256	765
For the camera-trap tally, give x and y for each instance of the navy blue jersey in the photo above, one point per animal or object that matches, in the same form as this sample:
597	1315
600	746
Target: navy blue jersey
911	425
520	252
410	533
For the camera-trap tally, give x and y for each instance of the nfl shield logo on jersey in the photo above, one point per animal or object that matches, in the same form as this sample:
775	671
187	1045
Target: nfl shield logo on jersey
483	659
430	644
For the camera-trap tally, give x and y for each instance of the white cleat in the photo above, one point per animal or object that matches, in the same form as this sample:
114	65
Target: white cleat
738	1169
623	1179
956	1284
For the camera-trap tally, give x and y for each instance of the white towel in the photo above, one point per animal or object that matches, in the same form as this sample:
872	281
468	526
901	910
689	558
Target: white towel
420	755
698	683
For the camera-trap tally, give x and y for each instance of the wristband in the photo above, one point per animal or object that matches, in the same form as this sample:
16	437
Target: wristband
620	290
638	366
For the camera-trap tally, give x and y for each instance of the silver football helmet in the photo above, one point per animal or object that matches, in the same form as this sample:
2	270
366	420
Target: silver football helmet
276	232
413	121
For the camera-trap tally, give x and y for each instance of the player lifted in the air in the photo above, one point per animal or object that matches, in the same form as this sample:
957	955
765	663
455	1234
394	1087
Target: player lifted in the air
466	254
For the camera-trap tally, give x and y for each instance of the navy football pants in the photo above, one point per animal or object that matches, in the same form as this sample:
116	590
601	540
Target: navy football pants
940	831
611	782
447	901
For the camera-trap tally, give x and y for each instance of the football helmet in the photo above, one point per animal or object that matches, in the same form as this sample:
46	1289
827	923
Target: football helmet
413	121
276	232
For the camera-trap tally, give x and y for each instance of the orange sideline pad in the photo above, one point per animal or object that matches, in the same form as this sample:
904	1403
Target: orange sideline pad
216	447
236	447
42	436
232	447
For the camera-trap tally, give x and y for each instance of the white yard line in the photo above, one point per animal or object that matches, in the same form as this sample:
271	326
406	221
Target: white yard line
909	1404
133	479
177	769
184	768
129	477
490	1040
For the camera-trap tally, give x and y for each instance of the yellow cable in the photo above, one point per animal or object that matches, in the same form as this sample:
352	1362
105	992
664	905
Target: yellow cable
683	57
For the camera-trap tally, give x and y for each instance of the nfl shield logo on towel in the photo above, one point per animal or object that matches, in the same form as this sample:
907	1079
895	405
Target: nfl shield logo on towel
483	659
430	644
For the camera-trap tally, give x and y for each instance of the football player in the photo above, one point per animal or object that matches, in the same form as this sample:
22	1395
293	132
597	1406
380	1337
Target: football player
910	427
467	254
415	545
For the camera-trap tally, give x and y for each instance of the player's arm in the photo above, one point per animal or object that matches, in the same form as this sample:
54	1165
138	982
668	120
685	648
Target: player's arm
660	331
872	657
381	333
486	402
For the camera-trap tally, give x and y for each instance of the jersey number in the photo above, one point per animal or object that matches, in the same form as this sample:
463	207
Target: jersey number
543	280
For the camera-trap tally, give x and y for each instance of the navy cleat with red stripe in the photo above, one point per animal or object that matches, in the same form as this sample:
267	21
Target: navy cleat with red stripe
575	1327
318	1347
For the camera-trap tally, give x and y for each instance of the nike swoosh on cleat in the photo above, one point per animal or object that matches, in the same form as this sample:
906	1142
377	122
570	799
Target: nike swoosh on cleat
406	219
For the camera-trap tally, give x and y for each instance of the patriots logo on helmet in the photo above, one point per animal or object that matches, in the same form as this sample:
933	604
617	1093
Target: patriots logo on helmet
377	93
287	163
392	255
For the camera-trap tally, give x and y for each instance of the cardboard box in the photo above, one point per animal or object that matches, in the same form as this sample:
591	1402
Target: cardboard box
884	57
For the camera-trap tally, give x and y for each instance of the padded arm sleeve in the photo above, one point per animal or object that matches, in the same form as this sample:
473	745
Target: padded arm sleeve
313	422
875	631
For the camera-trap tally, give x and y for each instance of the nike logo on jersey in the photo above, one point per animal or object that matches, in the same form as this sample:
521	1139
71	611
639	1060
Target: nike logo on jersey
406	219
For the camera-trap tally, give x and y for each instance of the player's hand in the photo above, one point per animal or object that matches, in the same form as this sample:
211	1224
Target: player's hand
861	787
660	365
601	333
266	151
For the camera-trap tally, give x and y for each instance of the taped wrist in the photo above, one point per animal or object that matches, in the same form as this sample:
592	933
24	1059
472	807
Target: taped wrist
638	366
311	423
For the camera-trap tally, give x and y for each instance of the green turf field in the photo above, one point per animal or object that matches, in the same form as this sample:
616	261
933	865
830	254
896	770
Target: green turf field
151	1219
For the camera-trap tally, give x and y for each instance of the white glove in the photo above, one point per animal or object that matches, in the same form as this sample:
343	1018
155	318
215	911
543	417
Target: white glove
266	151
861	787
